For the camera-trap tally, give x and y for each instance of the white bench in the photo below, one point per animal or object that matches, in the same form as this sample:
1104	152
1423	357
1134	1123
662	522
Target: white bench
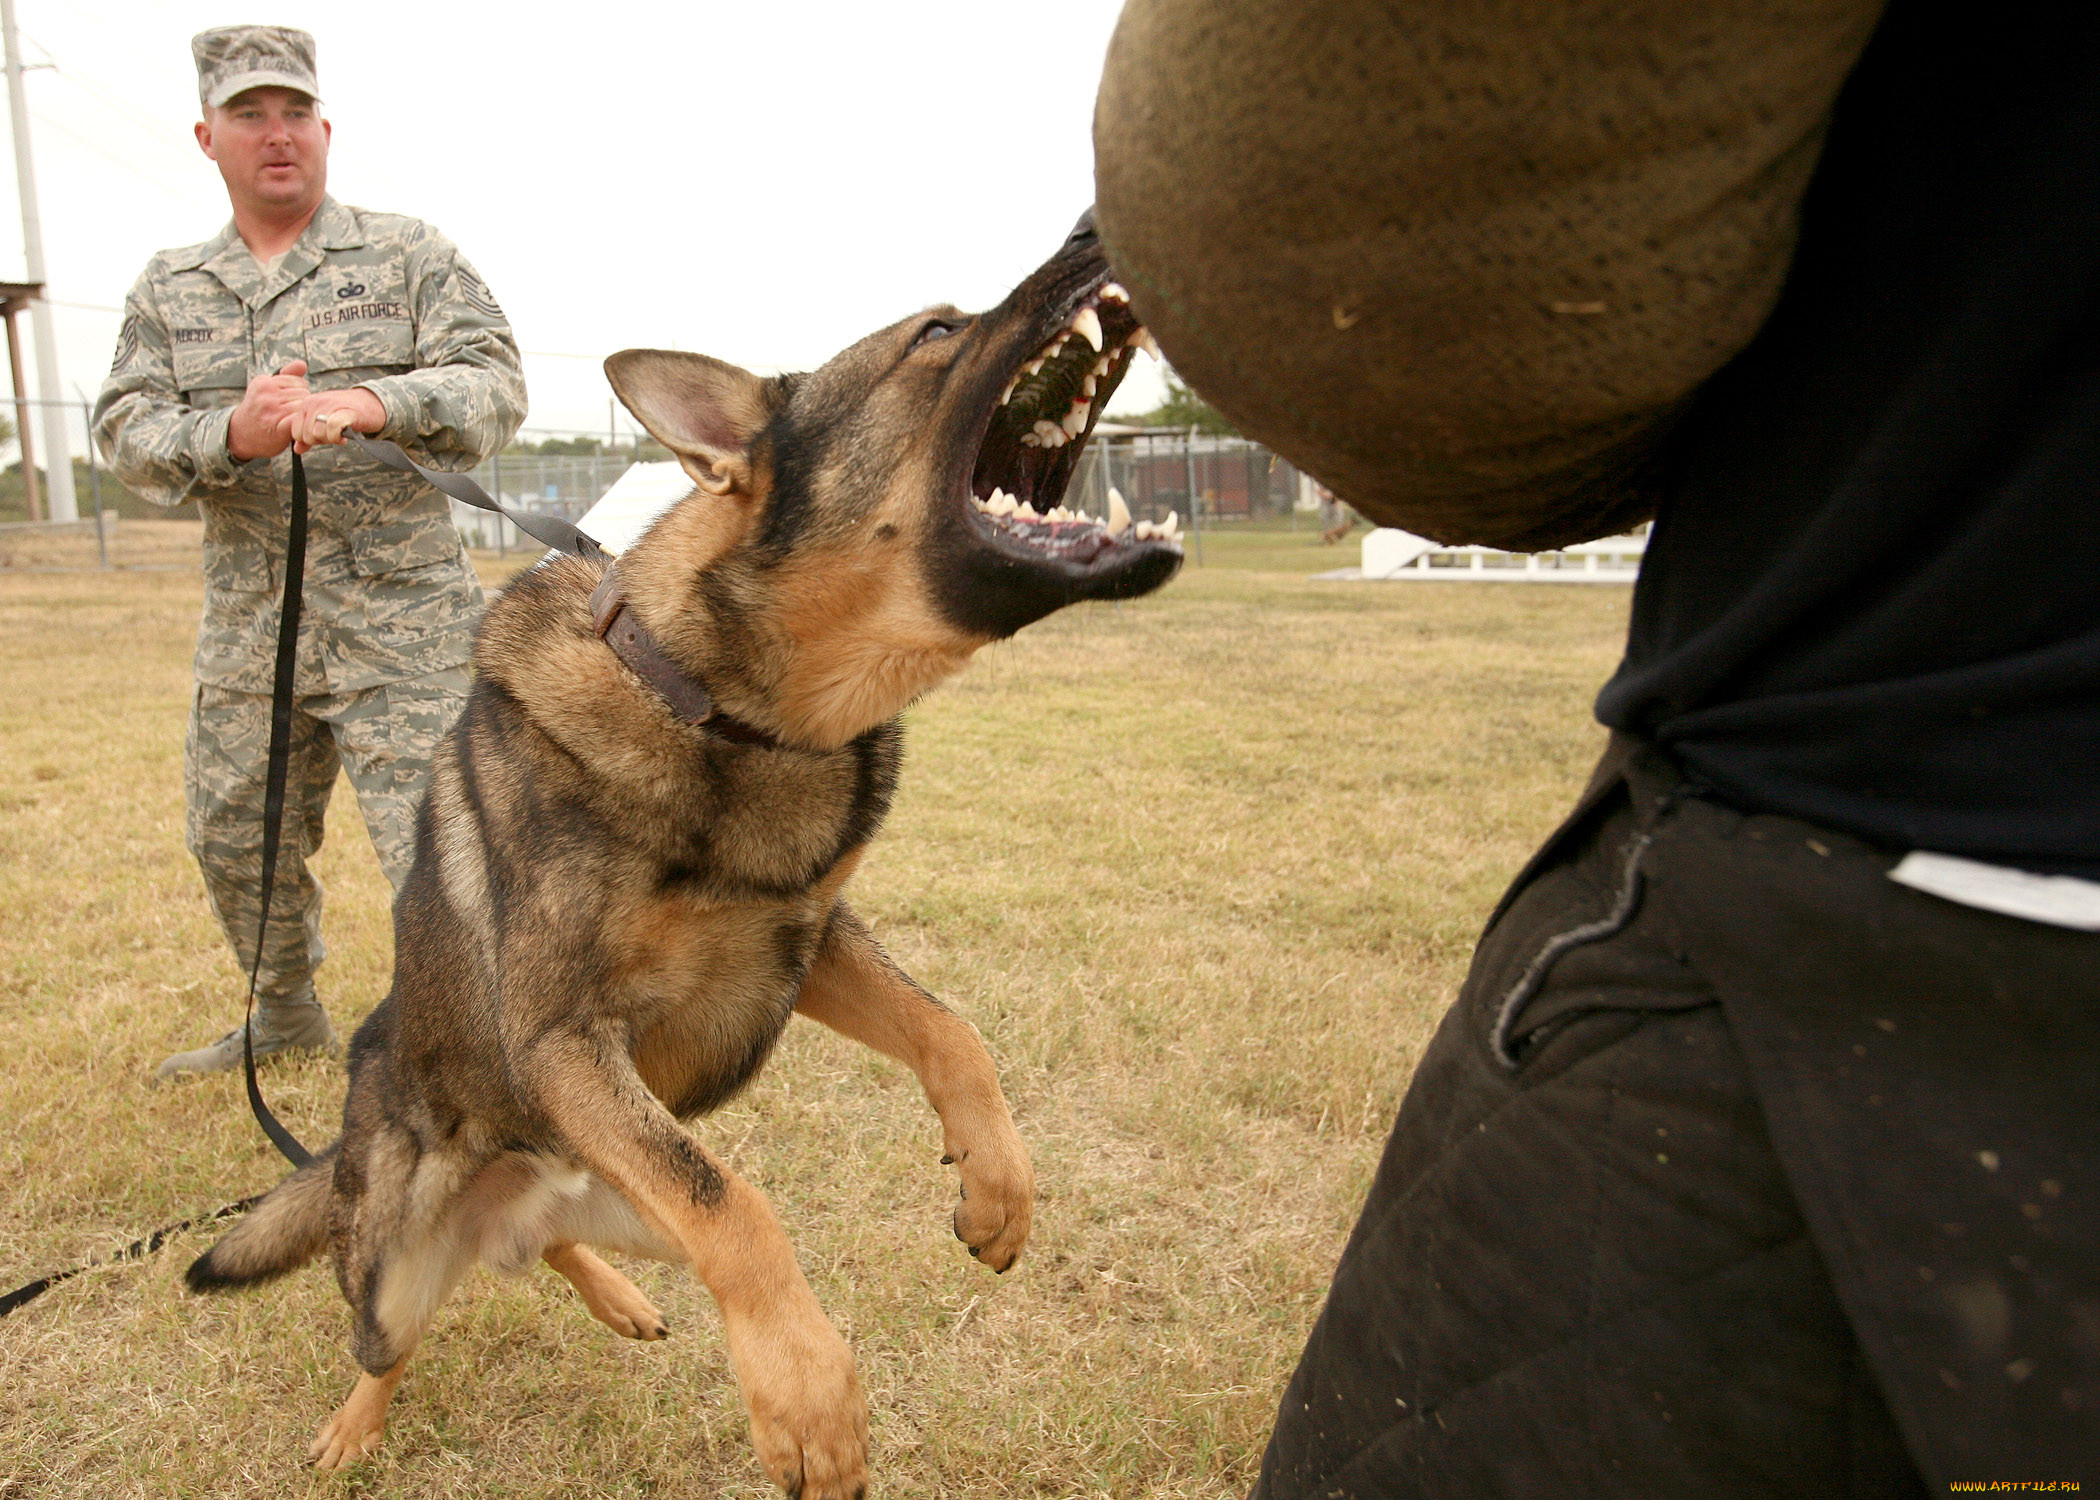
1392	554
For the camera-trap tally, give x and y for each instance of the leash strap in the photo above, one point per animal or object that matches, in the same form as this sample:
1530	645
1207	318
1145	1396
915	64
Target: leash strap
136	1250
280	760
552	530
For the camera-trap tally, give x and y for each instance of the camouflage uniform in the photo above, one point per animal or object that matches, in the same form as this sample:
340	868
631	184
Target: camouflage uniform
366	299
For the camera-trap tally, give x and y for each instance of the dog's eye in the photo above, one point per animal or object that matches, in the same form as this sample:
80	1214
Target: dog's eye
935	330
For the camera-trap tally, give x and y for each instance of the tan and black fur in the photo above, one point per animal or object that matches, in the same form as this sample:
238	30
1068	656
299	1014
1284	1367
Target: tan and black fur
614	911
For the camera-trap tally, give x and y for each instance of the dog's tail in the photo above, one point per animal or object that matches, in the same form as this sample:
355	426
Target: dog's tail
281	1233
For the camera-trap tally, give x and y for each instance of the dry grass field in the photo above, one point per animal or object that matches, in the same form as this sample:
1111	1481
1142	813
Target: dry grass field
1204	869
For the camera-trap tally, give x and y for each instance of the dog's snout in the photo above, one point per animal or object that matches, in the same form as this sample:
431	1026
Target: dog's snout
1083	232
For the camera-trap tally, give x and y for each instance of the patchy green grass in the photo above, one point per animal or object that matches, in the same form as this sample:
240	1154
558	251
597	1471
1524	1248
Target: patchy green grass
1204	868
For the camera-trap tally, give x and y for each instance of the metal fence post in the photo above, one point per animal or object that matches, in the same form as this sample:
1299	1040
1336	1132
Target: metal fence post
1195	505
87	427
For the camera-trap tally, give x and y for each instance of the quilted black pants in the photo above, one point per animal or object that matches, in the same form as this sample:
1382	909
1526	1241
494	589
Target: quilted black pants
1736	1170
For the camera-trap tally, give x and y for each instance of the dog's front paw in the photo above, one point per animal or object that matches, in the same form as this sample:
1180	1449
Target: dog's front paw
809	1421
352	1434
998	1192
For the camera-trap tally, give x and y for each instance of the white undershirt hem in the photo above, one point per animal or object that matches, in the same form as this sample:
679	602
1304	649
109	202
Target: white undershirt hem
2059	900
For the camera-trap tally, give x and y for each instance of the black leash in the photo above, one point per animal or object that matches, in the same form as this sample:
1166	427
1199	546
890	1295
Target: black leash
551	530
136	1250
280	761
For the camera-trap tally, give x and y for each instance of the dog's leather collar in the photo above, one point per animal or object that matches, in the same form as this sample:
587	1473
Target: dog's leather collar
615	624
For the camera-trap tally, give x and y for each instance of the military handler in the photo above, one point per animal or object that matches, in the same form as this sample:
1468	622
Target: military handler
300	319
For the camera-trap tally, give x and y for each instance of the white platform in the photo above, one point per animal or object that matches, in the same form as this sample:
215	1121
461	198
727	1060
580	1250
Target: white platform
633	503
1401	556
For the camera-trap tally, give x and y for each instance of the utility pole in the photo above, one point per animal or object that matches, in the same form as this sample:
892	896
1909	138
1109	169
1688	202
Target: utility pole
58	454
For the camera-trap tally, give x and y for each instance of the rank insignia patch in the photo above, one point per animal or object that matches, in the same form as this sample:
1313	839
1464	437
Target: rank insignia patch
477	293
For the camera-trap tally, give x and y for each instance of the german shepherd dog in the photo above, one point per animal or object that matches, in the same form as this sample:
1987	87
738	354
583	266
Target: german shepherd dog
629	865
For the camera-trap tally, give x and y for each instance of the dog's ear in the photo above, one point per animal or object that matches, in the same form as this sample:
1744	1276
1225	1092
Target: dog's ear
704	410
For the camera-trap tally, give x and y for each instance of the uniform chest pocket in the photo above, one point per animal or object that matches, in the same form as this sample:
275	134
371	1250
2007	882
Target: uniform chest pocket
211	374
344	354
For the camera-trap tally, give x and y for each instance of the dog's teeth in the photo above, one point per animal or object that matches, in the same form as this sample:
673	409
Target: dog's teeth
980	504
1026	512
1045	429
1171	524
1030	440
1118	512
1113	292
1008	394
1029	369
1075	419
1087	324
1143	339
1001	503
1143	531
1088	386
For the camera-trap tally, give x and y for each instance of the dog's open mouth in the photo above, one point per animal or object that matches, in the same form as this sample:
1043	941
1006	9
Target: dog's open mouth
1036	432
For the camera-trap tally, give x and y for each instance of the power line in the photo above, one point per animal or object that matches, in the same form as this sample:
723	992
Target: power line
154	130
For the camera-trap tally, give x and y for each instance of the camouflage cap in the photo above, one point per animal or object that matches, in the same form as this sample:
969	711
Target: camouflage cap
231	59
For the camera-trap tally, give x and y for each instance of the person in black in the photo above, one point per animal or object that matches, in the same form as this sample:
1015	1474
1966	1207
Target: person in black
1756	1157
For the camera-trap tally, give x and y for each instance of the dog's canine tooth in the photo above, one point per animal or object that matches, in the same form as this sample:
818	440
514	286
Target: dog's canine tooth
1075	419
1087	324
1008	394
1118	512
1171	524
1113	292
1143	339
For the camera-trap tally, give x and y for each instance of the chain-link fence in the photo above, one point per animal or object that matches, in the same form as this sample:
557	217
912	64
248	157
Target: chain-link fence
550	484
1158	470
1201	478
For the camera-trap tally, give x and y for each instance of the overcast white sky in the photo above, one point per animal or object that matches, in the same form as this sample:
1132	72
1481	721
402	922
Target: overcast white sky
762	182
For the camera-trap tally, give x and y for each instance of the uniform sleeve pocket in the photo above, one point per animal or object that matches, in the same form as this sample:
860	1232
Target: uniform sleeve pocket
344	354
402	544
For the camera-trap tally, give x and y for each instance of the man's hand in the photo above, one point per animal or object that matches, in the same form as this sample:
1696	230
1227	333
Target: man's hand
261	426
322	417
